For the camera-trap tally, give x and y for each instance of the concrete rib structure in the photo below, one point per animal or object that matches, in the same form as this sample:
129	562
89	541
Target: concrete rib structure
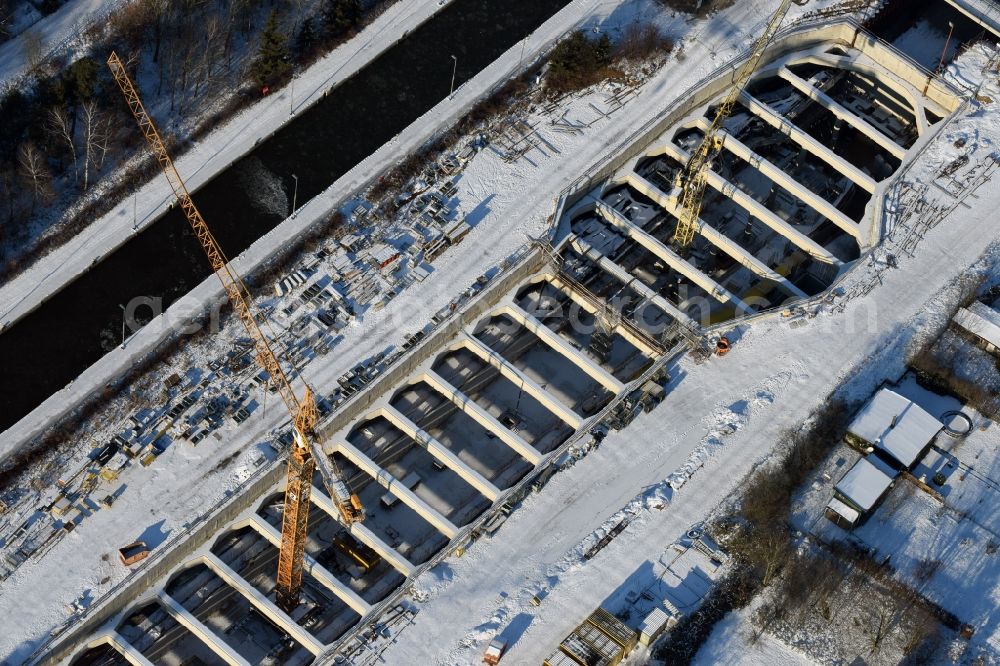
553	340
485	353
814	147
482	417
264	605
836	109
818	203
396	487
364	535
311	566
671	258
624	251
208	637
436	448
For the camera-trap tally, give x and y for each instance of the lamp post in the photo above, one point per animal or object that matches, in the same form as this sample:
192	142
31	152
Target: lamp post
454	69
291	97
295	193
123	325
947	42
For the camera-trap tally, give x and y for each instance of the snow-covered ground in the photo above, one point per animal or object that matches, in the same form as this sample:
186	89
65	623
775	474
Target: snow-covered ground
731	643
56	33
775	376
724	413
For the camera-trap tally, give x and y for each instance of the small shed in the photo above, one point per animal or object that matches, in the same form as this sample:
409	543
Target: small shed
352	242
898	429
456	231
494	651
132	553
384	255
981	323
61	507
841	514
861	489
653	625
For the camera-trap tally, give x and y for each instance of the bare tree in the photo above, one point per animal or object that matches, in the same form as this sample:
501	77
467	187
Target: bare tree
101	140
34	171
210	52
298	13
61	127
880	627
92	132
33	49
9	193
770	548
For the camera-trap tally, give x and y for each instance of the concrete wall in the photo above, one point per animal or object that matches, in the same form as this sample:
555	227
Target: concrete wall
844	33
359	405
161	565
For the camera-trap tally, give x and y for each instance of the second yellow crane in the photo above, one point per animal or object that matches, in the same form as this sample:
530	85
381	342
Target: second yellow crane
691	179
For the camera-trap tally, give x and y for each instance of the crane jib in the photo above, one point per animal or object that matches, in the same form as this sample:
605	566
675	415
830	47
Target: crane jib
303	457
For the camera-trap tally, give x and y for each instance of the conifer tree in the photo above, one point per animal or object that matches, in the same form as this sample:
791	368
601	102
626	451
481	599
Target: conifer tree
272	61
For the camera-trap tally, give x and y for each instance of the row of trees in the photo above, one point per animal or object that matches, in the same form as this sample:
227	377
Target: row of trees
580	61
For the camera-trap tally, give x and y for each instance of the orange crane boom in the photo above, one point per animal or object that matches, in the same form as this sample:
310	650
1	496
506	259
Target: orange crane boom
306	451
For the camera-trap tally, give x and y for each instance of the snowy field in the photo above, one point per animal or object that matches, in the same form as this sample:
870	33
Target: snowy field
718	419
731	643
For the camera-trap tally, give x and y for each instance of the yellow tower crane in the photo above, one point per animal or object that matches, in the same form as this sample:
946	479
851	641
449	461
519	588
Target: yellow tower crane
306	452
691	179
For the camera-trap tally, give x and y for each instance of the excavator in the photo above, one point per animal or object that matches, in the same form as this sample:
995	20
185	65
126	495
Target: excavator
306	454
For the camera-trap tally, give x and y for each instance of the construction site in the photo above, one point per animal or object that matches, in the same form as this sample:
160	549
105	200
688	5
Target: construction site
749	198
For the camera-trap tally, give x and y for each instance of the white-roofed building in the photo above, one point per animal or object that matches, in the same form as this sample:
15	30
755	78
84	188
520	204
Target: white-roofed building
860	491
898	429
982	323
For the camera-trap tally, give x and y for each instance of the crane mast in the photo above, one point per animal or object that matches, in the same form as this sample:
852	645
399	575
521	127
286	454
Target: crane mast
305	451
691	179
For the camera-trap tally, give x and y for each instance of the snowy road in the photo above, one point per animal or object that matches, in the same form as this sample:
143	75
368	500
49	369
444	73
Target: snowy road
56	31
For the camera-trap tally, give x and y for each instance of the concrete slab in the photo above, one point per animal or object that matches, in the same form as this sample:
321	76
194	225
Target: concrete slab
789	129
185	618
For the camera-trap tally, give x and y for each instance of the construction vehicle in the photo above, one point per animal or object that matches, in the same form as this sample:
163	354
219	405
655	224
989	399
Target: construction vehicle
691	179
494	651
306	454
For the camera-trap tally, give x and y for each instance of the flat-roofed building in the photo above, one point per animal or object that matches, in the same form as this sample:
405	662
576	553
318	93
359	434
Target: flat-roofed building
860	491
896	428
